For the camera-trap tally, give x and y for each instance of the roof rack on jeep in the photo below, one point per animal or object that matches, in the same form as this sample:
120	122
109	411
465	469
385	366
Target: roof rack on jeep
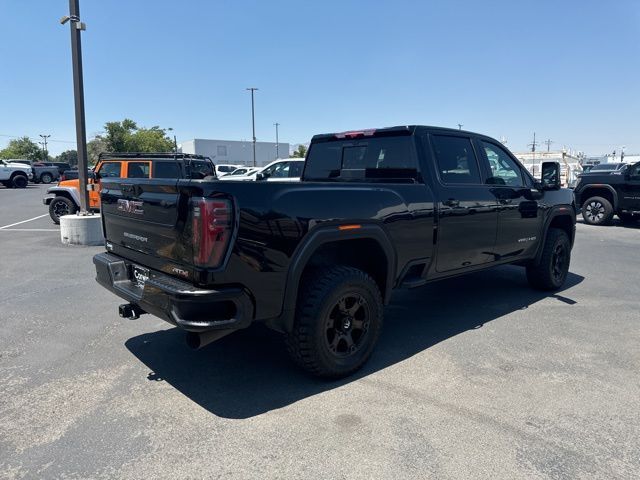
113	155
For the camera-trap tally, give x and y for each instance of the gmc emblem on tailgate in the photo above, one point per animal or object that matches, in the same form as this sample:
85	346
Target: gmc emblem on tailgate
130	206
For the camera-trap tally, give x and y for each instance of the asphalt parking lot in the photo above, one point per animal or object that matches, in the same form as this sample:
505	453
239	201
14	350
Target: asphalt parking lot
475	377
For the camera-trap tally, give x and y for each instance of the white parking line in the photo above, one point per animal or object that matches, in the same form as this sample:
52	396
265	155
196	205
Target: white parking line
24	221
30	230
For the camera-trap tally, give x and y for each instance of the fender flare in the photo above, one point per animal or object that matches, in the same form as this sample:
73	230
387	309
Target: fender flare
556	211
583	197
72	192
319	237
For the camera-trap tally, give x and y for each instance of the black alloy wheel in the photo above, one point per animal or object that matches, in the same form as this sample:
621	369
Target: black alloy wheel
347	325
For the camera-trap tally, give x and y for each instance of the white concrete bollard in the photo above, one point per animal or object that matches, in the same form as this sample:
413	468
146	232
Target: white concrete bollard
81	230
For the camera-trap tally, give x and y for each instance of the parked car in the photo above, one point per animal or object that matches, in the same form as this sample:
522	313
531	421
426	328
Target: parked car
600	195
64	198
607	167
15	174
42	173
286	170
225	168
241	171
316	260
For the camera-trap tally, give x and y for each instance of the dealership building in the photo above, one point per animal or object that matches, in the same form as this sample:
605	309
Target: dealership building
236	152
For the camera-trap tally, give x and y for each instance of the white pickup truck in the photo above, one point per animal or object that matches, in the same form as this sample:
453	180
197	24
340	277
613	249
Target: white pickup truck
15	175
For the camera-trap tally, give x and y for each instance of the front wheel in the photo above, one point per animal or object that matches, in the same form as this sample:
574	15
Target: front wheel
338	321
61	206
552	270
20	181
597	211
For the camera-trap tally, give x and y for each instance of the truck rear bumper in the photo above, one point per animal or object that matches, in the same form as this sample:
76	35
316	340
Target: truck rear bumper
173	300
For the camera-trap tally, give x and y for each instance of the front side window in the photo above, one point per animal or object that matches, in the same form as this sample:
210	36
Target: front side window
635	171
502	169
110	170
281	170
456	160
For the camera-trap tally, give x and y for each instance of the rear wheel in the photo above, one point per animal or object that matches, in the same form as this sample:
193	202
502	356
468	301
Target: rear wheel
597	211
61	206
46	178
19	181
552	270
338	321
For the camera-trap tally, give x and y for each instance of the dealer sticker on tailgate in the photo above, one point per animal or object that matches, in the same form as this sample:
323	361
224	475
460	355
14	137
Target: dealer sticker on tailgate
139	275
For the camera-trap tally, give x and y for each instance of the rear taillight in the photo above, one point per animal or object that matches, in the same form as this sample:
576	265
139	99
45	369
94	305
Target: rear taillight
212	229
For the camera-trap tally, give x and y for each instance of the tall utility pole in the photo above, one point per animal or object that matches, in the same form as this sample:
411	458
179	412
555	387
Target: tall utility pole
533	144
76	27
277	143
253	123
46	150
460	125
548	143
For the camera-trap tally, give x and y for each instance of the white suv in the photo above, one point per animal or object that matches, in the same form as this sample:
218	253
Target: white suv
287	170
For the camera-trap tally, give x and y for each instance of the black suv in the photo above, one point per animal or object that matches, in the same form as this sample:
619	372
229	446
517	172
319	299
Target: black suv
600	195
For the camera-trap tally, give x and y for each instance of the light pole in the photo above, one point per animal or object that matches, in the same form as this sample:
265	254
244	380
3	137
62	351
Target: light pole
253	123
460	125
76	27
46	151
277	143
175	142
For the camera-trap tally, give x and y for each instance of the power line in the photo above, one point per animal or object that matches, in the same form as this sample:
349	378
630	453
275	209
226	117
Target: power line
533	144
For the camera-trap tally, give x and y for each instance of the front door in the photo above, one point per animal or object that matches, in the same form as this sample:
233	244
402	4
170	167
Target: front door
519	221
467	210
631	189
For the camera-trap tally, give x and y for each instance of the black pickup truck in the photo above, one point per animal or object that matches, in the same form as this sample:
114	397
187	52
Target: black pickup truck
375	210
600	195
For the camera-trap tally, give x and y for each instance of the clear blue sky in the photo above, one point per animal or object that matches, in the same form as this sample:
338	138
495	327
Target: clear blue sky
568	70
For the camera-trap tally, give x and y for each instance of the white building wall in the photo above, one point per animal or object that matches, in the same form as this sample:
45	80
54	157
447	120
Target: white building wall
235	152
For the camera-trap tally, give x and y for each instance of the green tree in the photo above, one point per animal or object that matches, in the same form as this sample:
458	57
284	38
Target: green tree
69	156
22	148
95	147
126	136
300	152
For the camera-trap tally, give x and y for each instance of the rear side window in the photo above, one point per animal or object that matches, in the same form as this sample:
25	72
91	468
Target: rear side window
295	170
378	158
166	169
456	160
110	170
138	169
200	169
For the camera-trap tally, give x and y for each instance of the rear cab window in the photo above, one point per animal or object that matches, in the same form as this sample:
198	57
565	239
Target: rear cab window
383	158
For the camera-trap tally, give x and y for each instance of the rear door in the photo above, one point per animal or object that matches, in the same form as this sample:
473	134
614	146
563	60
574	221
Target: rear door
467	210
519	222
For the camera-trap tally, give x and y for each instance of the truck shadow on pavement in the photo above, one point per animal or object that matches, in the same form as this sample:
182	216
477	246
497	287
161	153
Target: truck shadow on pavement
249	373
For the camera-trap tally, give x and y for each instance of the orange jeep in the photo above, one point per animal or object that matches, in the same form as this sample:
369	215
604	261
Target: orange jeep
64	199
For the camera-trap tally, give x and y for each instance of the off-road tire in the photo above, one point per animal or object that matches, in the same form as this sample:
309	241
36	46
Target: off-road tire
322	295
46	178
19	181
552	270
597	211
60	206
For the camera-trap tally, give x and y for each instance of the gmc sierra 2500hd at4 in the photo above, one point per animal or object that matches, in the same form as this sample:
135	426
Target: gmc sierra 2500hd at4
317	260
